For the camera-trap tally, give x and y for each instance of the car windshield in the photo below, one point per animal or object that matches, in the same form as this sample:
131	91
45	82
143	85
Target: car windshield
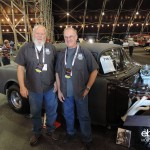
113	60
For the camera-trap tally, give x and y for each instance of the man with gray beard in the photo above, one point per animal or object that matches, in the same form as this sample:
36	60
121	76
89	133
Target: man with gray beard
36	62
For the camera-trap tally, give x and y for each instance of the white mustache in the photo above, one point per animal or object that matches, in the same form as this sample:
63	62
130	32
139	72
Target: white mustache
37	43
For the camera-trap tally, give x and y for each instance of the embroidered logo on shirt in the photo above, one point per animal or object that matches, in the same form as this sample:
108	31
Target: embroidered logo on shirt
47	51
80	56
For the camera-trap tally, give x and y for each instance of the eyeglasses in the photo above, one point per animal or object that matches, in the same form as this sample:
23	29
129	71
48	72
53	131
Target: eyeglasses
69	37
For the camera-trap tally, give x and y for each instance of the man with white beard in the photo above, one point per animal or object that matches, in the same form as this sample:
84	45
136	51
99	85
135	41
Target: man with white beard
36	62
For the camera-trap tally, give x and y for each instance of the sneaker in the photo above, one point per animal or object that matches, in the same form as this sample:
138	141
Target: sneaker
68	138
53	135
34	139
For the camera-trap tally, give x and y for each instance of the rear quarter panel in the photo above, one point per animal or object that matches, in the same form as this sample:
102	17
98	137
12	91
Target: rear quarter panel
8	77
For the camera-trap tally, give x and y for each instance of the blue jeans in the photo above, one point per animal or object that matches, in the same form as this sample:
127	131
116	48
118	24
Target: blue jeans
82	114
50	102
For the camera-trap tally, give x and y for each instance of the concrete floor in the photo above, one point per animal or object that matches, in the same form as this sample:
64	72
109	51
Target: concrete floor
15	130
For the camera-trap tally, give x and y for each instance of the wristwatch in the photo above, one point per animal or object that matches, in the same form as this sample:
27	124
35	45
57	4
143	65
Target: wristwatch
87	88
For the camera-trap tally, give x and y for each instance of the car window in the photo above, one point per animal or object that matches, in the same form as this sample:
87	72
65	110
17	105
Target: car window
113	60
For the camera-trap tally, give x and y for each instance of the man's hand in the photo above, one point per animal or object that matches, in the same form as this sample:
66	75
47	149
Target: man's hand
61	96
55	87
24	92
86	91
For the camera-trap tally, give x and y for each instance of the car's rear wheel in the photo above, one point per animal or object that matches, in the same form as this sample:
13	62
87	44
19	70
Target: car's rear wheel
16	101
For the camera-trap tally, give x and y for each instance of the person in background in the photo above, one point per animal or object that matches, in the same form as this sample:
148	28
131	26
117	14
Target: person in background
131	47
38	59
111	41
6	53
12	44
76	71
0	57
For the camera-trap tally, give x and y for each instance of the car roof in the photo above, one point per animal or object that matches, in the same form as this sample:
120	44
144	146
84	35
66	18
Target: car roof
94	47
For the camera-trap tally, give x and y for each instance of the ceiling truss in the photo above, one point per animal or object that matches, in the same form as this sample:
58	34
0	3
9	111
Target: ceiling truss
133	16
117	17
42	10
42	14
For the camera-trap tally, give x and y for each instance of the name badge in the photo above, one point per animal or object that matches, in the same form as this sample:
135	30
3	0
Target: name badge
39	68
68	73
45	67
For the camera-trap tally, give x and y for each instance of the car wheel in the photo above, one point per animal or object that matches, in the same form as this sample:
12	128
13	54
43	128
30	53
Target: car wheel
17	102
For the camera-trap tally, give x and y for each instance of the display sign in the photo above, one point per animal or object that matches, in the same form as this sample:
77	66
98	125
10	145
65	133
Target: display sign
107	64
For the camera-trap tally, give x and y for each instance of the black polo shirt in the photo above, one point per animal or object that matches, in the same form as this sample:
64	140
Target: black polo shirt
37	82
84	64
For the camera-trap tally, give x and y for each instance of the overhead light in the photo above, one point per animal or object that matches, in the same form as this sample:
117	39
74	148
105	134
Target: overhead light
103	13
68	14
137	13
90	41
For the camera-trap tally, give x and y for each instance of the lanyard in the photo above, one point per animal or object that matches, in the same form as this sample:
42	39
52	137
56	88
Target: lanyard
73	57
37	55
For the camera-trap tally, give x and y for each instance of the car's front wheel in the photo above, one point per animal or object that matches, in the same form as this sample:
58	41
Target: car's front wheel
16	101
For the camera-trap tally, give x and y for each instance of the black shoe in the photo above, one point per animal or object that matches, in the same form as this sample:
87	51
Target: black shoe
53	135
34	139
68	138
87	145
28	116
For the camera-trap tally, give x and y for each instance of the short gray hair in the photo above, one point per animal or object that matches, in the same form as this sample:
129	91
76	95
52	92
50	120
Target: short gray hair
68	28
38	26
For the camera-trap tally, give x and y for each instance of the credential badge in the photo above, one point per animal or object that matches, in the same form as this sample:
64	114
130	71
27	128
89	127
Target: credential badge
80	56
47	51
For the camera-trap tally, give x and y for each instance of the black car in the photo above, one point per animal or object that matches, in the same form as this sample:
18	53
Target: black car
107	39
108	98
